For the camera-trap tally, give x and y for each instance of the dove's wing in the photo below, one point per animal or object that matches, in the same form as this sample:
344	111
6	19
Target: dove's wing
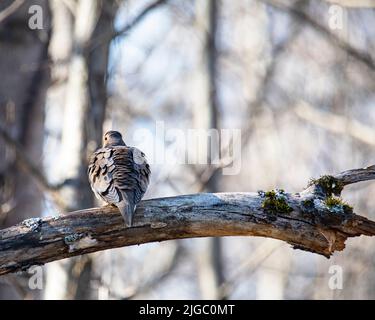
119	175
132	172
100	172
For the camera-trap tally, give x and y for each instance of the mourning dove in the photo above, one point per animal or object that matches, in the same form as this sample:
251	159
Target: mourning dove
119	174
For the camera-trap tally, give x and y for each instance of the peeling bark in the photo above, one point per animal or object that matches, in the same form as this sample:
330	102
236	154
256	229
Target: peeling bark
310	225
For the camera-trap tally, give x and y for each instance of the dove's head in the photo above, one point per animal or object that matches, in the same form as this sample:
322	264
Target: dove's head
113	138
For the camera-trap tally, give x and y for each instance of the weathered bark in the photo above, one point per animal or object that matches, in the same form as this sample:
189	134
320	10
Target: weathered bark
301	219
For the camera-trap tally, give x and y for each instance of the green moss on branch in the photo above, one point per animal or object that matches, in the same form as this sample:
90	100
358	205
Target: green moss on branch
328	185
276	202
337	204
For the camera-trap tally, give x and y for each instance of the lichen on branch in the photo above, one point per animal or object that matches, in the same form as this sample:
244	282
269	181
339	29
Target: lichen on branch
327	185
315	219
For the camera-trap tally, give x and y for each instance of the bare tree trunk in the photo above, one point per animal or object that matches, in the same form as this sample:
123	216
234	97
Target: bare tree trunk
72	156
206	117
60	50
97	61
84	113
24	59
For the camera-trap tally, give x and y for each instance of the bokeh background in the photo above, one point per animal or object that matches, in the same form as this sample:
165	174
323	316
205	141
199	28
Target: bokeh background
296	77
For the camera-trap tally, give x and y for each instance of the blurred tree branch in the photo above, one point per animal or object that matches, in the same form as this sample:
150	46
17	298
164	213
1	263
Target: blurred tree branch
30	168
206	115
336	123
167	271
256	107
8	11
312	220
251	264
357	54
354	3
130	25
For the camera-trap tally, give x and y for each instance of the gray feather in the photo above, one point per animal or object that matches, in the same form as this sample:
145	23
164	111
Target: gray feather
119	175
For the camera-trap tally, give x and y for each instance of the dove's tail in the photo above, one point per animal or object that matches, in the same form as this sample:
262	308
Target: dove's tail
127	209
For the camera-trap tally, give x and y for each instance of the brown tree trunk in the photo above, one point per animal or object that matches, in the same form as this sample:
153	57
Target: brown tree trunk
24	61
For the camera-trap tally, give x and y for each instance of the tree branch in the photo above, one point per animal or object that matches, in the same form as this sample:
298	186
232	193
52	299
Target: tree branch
30	168
336	123
12	8
353	3
309	220
105	37
358	54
